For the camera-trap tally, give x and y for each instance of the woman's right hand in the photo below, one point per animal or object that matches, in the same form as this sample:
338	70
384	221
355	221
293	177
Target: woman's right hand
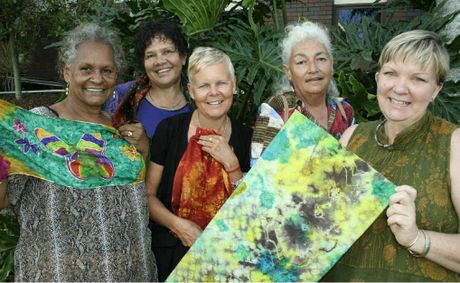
187	231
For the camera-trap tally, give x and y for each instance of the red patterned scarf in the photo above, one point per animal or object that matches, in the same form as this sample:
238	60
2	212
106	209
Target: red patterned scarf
127	109
201	184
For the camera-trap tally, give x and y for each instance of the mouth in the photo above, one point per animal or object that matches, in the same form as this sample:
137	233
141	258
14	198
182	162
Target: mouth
95	90
399	102
163	70
315	79
215	102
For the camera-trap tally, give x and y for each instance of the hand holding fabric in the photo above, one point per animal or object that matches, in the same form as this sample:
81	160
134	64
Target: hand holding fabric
218	147
402	215
134	133
187	231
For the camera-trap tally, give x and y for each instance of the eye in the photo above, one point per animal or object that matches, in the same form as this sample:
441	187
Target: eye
389	73
322	59
86	70
203	86
419	79
222	83
301	62
108	72
148	56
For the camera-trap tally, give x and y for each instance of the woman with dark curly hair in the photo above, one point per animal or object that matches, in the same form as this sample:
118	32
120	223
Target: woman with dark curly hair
162	50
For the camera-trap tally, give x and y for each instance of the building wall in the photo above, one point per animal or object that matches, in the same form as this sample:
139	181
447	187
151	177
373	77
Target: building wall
313	10
323	11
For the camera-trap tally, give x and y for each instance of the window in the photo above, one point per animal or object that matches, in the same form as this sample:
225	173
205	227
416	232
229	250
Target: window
349	11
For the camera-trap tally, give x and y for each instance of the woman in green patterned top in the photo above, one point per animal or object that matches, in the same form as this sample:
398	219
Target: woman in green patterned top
418	237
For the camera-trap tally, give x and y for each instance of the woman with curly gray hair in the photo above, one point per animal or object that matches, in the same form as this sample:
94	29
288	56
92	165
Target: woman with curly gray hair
90	234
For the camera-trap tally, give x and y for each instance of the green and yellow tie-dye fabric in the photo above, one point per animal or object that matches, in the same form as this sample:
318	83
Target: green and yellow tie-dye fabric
297	211
70	153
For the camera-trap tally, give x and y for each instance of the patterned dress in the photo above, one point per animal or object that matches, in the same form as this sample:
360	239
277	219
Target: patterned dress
80	235
419	157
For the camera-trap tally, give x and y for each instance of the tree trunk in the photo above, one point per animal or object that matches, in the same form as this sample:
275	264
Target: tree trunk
15	64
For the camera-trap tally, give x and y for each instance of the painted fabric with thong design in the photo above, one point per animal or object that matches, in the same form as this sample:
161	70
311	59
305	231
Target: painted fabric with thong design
201	184
296	212
70	153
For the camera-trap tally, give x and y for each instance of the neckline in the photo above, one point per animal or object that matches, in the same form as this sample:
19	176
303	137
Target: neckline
407	136
150	98
300	106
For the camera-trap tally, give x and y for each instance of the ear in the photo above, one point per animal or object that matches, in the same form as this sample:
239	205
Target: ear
66	74
377	77
287	72
190	91
437	91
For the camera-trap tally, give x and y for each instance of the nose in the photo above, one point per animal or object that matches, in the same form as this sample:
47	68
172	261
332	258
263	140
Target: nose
96	76
312	67
161	59
213	90
401	86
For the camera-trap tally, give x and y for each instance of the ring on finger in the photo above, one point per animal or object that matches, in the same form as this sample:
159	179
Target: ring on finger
130	134
210	139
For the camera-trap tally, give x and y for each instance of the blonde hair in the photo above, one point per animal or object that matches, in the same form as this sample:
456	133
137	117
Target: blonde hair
424	46
205	56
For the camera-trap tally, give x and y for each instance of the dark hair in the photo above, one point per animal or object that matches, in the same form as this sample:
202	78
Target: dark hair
160	28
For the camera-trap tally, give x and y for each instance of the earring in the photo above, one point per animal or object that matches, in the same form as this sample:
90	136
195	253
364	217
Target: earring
67	90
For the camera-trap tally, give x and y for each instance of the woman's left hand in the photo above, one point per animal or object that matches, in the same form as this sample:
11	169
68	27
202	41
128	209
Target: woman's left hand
402	215
134	133
220	150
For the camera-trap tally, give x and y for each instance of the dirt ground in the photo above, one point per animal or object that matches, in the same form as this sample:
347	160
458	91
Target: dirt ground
32	100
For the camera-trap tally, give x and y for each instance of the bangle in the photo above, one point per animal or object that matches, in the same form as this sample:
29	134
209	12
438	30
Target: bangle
426	248
414	241
233	170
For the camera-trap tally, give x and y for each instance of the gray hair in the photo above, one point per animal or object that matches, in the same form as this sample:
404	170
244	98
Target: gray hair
424	46
89	32
205	56
296	33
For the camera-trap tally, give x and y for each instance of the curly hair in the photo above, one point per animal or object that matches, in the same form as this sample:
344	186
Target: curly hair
89	32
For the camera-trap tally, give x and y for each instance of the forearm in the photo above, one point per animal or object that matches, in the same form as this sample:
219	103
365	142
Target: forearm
160	214
444	249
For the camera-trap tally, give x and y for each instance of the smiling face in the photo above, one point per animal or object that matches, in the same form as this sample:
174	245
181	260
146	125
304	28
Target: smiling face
309	69
163	63
212	90
404	90
92	74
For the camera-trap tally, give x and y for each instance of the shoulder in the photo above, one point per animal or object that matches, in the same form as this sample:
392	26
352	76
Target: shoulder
278	102
241	129
44	111
123	88
175	122
346	136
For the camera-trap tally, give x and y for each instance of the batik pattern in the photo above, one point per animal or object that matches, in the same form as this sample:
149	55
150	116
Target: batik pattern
297	211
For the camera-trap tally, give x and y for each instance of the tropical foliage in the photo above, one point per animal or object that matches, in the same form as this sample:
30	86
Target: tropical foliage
357	49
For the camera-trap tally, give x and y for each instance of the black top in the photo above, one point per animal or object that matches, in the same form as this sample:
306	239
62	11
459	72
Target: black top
169	144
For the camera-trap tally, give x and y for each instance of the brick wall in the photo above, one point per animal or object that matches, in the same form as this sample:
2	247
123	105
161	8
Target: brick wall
313	10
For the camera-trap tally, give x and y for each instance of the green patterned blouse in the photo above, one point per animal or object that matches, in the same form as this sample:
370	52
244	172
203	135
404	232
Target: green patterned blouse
419	157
